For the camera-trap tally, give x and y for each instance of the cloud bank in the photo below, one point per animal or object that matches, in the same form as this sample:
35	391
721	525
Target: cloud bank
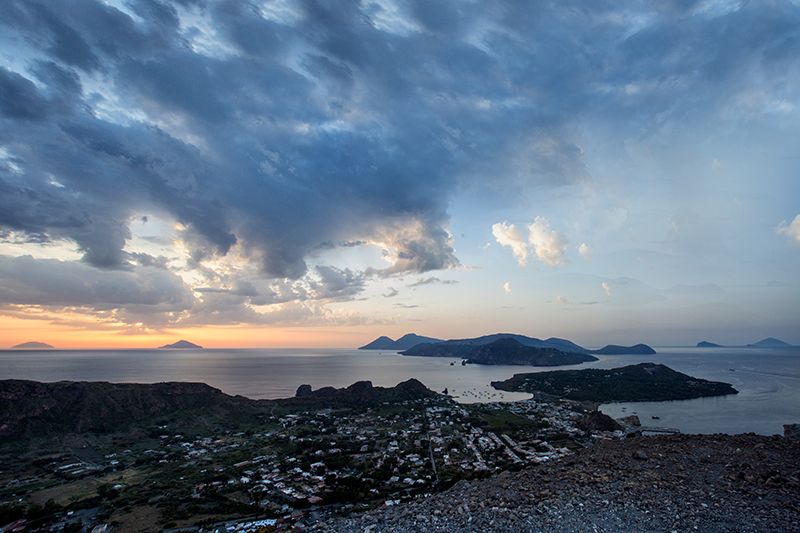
273	133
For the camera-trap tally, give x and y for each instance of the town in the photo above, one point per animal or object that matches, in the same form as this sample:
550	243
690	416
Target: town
291	468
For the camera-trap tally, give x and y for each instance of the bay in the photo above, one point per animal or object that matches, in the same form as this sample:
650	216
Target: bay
768	380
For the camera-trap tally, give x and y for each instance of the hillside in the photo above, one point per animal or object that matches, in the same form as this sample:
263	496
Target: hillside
31	408
642	382
706	344
361	393
744	483
503	351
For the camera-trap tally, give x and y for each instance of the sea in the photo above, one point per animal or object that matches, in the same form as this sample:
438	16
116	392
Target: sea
768	380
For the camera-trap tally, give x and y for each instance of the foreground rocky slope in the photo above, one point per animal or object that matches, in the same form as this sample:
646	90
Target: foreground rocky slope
678	483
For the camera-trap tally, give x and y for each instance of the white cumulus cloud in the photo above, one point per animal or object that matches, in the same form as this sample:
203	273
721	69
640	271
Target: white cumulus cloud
585	251
548	244
791	230
508	235
507	287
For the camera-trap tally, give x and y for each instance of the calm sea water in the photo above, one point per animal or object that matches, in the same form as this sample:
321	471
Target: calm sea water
768	380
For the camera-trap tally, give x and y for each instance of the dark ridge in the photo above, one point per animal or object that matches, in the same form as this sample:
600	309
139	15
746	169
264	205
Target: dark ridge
597	421
33	408
363	393
30	408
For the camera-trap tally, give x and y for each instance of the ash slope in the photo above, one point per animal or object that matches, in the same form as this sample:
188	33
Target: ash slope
745	483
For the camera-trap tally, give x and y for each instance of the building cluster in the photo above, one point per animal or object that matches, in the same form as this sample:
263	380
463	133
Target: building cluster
301	465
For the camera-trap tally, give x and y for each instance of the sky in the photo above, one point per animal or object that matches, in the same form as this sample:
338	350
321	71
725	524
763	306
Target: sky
318	173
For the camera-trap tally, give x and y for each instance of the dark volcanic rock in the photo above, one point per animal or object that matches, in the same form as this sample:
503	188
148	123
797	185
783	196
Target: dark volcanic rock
640	455
362	393
303	390
743	483
597	421
631	420
791	431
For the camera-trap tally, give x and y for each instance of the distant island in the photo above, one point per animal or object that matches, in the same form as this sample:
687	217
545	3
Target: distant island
403	343
181	345
503	351
770	342
634	383
614	349
33	345
706	344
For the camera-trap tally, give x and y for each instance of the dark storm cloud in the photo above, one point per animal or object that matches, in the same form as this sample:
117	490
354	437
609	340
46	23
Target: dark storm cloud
336	123
53	283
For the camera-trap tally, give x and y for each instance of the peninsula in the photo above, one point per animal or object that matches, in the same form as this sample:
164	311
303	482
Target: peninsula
634	383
